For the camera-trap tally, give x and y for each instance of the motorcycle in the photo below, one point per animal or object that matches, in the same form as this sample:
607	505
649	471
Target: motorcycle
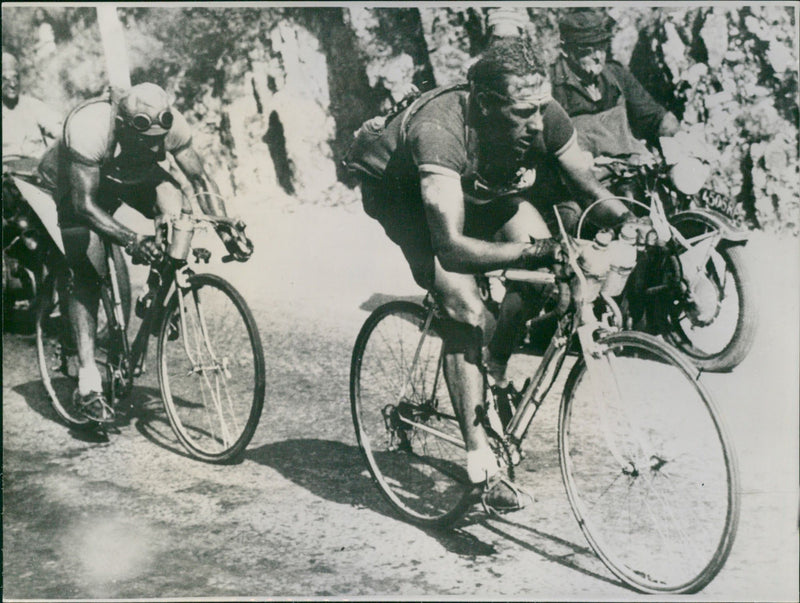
32	245
691	284
27	246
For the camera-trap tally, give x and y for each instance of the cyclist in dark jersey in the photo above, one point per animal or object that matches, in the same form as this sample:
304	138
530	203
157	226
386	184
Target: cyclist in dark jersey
113	152
452	197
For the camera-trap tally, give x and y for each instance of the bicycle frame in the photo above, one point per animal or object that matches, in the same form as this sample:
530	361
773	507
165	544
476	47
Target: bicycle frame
133	354
580	322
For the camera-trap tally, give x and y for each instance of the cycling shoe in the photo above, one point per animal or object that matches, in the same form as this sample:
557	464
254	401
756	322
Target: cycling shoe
93	406
503	496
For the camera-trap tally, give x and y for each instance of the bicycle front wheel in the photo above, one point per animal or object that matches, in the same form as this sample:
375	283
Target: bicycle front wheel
649	470
211	369
404	420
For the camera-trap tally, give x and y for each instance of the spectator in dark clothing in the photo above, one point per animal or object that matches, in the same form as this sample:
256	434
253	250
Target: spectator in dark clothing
609	107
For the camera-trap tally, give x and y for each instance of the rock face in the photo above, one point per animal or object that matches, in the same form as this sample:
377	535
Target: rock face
275	93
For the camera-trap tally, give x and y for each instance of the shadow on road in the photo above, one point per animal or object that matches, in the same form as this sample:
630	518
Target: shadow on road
378	299
558	550
336	472
143	409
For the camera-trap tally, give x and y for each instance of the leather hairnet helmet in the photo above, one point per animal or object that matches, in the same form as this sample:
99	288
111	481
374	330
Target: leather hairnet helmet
146	108
585	26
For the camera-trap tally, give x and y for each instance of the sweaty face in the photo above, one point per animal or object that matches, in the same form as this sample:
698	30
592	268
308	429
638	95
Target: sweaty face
517	117
588	60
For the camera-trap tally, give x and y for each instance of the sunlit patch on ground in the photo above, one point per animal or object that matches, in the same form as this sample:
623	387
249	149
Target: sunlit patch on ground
111	550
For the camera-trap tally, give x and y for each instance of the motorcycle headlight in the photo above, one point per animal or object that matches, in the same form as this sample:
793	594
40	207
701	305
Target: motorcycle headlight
689	175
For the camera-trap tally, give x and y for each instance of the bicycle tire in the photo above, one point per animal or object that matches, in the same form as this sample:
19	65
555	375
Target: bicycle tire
124	281
423	477
55	347
231	343
672	460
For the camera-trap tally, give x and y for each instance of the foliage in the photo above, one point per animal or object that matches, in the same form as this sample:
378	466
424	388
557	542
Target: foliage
732	69
735	72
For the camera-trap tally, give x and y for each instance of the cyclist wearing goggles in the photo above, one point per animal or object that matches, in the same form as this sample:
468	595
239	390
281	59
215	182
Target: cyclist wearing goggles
114	151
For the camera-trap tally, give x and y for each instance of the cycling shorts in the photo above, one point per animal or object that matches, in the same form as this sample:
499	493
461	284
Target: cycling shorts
401	213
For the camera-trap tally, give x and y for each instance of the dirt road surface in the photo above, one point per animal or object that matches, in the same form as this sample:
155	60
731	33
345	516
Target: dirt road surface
133	517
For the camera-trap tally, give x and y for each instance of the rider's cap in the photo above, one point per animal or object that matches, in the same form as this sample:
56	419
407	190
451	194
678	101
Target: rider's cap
146	107
585	26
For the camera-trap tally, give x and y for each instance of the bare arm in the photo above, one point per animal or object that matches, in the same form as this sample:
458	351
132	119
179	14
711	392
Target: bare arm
444	208
190	163
194	169
576	166
85	181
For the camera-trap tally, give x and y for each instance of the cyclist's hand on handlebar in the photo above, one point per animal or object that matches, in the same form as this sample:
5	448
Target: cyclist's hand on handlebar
541	253
239	246
143	250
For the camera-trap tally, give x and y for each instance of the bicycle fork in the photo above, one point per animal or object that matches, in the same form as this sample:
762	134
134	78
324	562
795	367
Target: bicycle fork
198	366
602	369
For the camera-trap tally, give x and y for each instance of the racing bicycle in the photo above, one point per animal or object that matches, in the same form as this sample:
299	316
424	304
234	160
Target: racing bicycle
649	469
210	358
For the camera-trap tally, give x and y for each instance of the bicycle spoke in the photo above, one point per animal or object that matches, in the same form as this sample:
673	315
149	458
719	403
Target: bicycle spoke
405	425
662	520
211	369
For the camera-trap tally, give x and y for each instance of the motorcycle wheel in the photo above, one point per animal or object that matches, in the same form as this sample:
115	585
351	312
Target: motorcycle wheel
721	343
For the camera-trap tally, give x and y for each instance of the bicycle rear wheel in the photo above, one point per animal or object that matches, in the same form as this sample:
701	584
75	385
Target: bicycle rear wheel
211	369
55	346
649	470
404	420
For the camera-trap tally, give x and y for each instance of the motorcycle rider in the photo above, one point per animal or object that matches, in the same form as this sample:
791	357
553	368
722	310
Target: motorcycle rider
611	110
114	151
28	123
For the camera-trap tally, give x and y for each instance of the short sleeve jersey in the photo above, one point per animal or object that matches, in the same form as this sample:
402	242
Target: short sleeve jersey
89	131
438	141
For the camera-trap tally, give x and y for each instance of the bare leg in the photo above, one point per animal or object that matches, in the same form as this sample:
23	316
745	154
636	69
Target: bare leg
520	302
83	298
458	295
82	306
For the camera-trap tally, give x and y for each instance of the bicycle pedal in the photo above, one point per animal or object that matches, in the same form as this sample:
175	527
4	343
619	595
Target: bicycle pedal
495	502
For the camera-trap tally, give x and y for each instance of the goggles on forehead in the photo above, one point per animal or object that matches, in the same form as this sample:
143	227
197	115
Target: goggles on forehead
141	122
